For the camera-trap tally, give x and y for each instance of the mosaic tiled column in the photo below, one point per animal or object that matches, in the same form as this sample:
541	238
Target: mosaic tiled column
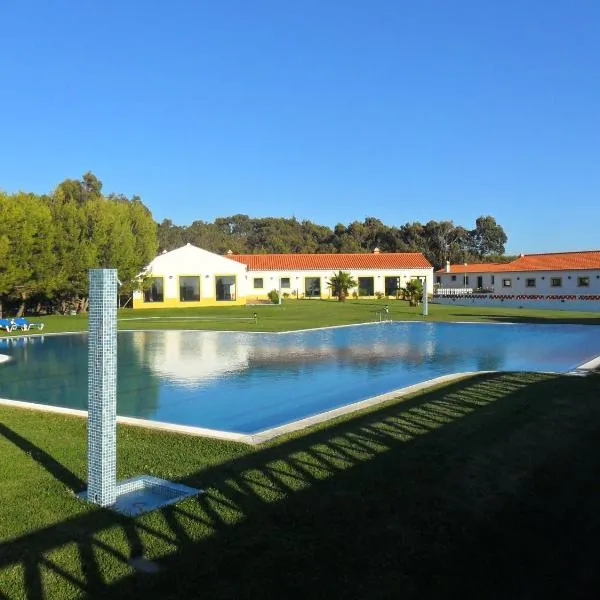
102	387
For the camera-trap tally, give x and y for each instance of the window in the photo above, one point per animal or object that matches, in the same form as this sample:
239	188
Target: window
438	279
556	282
465	280
155	292
507	283
583	282
530	282
225	287
366	286
189	289
493	279
285	282
391	285
453	277
258	283
312	287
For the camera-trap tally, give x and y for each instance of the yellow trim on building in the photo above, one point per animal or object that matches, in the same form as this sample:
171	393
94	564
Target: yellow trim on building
176	303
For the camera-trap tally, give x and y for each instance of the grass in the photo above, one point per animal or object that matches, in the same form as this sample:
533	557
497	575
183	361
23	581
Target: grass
483	488
293	315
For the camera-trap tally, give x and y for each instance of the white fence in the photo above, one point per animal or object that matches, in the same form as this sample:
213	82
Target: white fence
575	302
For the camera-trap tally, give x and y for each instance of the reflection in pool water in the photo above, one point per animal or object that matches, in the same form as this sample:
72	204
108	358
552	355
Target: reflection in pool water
246	382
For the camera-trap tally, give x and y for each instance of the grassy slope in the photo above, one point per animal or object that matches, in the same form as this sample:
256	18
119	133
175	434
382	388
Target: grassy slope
485	487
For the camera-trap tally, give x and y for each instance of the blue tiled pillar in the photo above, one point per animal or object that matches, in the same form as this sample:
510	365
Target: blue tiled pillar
102	387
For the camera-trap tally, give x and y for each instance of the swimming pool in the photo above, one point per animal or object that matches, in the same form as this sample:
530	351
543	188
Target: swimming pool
251	382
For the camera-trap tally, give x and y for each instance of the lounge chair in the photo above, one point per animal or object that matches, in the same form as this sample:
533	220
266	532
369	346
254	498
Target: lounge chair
25	325
6	324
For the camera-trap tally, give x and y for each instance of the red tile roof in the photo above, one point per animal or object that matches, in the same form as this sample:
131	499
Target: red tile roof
328	262
555	261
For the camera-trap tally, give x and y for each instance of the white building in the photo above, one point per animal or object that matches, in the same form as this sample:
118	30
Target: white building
561	281
190	276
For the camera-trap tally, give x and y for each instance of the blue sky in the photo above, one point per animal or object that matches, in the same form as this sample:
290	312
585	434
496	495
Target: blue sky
328	110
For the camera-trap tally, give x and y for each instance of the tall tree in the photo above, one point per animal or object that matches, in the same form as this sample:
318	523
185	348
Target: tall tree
487	238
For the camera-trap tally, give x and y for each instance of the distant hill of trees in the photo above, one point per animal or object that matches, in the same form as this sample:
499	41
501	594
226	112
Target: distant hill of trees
438	240
49	242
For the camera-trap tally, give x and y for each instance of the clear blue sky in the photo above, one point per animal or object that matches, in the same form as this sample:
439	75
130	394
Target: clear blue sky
328	110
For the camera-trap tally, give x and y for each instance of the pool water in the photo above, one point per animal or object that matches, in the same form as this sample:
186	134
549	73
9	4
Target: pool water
249	382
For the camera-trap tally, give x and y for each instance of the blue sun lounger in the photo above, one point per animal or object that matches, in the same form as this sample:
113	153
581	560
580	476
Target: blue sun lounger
6	324
25	325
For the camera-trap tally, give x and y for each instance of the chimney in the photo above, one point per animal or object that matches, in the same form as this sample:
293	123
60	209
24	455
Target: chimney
376	251
447	266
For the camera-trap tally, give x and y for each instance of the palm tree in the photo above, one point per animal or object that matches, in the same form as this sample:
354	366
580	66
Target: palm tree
341	283
414	291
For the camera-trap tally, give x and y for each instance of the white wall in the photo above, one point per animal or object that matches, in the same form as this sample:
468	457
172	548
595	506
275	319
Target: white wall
518	280
190	260
297	279
572	302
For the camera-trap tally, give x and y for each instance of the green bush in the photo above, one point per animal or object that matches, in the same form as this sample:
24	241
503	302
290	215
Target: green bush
273	296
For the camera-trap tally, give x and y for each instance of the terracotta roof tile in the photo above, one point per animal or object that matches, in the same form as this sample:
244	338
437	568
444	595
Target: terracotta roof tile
558	261
555	261
328	262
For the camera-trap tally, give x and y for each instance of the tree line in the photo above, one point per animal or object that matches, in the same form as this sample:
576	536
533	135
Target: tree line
439	241
49	242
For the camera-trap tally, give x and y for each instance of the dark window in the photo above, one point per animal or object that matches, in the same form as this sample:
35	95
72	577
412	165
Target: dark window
556	282
189	289
258	283
391	285
583	282
312	287
225	287
438	279
530	283
465	280
285	282
493	280
155	292
507	283
366	286
453	277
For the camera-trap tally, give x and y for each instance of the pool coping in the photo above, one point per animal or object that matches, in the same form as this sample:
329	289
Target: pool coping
274	432
252	438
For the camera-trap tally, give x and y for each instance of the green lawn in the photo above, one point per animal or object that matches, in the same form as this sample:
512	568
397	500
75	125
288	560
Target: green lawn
484	488
308	313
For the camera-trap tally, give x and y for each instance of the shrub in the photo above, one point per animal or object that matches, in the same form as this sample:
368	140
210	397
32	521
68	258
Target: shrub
273	296
379	295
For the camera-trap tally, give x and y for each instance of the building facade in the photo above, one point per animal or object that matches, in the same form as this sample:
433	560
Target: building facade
190	276
561	281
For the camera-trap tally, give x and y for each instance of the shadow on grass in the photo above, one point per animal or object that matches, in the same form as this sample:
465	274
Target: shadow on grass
529	319
49	463
486	487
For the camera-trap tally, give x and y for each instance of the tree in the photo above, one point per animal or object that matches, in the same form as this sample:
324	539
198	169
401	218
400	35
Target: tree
487	238
413	291
341	283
